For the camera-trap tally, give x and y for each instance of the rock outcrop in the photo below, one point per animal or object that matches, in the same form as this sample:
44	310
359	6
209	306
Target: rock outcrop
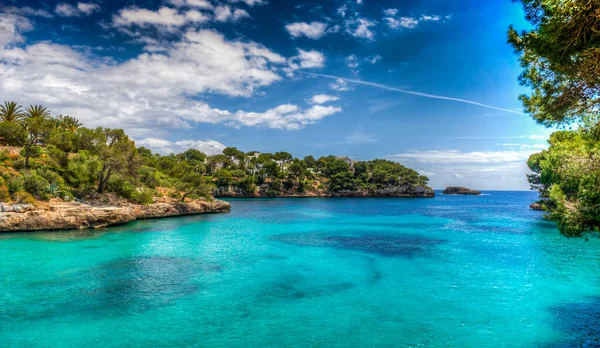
67	216
537	206
455	190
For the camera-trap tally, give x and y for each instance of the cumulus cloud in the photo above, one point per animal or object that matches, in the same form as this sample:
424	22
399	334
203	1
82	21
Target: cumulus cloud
11	28
202	4
27	11
165	17
155	90
82	9
225	13
323	99
251	2
373	59
407	22
166	147
340	85
314	30
352	61
360	28
304	60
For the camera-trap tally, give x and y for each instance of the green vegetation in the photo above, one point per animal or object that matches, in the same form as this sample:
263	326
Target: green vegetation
561	64
56	157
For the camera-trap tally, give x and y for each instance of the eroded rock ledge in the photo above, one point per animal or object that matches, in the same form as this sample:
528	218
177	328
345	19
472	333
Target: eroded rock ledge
72	215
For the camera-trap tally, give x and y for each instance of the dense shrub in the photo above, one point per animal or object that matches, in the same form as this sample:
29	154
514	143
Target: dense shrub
122	187
4	192
36	185
24	197
143	196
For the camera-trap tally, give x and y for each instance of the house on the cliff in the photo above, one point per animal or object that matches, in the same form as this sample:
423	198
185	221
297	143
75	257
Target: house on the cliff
348	161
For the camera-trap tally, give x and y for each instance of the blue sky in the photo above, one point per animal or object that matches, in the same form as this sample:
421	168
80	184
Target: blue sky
307	77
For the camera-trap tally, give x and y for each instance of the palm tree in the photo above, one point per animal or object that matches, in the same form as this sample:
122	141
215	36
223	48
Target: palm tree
68	123
37	111
10	112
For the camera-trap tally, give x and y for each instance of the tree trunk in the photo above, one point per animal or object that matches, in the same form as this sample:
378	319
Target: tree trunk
103	178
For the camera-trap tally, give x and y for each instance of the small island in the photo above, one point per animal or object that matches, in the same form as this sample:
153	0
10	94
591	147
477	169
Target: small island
456	190
56	174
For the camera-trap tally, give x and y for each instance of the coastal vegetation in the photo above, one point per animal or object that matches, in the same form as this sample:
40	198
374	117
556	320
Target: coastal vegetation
46	157
560	57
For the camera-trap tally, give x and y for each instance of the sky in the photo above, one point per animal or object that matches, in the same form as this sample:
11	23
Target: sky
431	84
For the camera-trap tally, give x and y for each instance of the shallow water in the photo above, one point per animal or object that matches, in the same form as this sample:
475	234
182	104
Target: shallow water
453	271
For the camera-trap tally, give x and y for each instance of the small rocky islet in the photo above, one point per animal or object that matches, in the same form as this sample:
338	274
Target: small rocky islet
457	190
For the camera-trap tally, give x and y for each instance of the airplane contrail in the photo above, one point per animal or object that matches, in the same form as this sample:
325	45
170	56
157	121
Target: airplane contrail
425	95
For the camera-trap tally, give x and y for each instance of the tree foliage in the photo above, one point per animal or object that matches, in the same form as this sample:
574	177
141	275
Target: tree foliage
560	57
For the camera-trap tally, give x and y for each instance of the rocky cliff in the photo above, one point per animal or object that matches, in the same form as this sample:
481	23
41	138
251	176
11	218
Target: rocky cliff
67	216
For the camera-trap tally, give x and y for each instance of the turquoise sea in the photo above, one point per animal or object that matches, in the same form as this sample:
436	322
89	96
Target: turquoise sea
454	271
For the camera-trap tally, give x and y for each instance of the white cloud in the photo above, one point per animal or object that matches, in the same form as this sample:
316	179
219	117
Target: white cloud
342	10
406	21
27	11
360	28
430	18
165	17
11	28
458	176
225	13
455	156
373	59
286	116
314	30
426	173
352	61
390	12
155	90
166	147
83	8
305	60
340	85
323	99
251	2
538	137
202	4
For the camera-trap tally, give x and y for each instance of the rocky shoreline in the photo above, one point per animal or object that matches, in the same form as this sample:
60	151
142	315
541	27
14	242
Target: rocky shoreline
73	215
392	191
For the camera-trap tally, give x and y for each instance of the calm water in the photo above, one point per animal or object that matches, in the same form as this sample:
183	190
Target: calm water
451	271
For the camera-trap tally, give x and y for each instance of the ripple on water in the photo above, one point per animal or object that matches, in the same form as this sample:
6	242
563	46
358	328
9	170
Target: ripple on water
405	245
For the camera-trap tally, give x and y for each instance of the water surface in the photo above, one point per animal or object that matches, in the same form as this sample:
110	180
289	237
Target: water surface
453	271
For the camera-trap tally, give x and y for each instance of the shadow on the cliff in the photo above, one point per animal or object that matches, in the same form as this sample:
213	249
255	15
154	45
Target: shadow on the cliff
403	245
124	286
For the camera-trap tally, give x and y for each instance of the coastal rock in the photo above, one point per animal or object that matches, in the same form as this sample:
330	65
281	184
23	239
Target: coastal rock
67	216
455	190
537	206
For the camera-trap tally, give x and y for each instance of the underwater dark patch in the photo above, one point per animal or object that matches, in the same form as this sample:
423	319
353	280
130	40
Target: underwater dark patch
120	286
579	322
296	287
405	245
